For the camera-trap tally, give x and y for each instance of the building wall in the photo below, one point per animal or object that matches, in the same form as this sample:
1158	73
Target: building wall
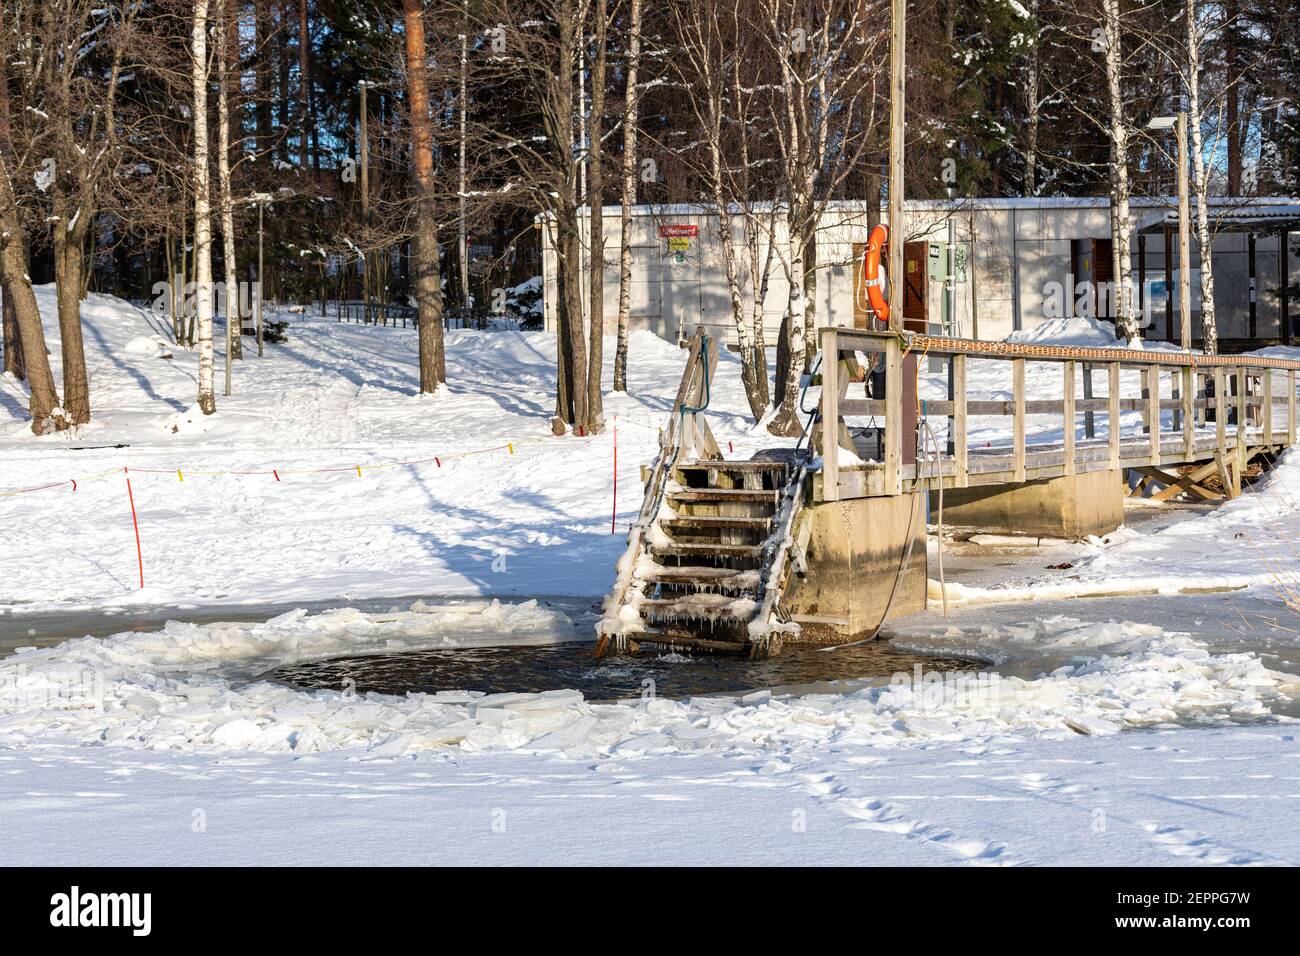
1008	252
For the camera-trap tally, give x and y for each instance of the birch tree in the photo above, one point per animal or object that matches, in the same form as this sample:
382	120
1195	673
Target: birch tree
628	195
829	66
1200	179
711	41
596	220
228	77
1126	321
202	208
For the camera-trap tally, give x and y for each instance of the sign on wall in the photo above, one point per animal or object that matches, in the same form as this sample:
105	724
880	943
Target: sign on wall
679	238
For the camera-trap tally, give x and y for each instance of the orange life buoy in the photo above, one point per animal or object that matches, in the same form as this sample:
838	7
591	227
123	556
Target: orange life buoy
871	272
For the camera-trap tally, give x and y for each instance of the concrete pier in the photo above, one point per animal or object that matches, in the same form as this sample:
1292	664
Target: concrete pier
1071	507
855	551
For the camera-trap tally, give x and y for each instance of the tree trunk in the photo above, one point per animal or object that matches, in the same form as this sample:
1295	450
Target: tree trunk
13	342
202	211
571	384
595	201
262	76
1200	183
1033	110
1126	322
68	275
628	197
428	291
229	72
789	364
304	86
44	400
754	386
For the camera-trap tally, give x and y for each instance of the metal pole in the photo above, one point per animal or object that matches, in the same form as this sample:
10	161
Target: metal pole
897	94
365	196
260	207
1184	237
463	243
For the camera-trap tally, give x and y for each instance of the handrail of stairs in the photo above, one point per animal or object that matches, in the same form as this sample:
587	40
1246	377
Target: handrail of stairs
762	631
692	397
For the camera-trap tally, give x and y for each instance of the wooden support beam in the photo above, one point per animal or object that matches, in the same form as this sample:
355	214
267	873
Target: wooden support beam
1189	412
1243	426
1152	414
893	416
1112	411
1221	429
1018	426
1266	413
959	439
1290	407
1177	484
1067	419
1089	417
831	416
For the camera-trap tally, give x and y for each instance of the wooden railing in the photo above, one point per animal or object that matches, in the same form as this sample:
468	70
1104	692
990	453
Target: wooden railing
1205	390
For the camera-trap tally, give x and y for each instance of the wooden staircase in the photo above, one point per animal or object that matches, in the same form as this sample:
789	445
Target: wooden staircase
716	542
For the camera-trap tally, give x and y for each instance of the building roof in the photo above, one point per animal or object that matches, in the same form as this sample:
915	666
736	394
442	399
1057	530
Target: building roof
1274	210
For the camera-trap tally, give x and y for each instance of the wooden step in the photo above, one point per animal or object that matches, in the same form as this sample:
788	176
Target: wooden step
765	465
705	576
716	522
752	552
686	642
699	606
768	496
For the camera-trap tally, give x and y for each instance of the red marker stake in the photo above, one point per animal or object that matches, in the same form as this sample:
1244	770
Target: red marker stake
139	555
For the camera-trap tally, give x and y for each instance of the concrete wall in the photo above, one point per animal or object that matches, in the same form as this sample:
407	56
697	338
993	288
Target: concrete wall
1071	507
1008	253
856	551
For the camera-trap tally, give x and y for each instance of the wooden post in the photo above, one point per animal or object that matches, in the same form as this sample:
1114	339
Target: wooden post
1189	413
893	416
1221	427
1153	412
1067	419
897	101
1184	238
1018	428
1266	413
1243	407
1112	411
1243	422
1220	411
959	451
1290	407
1089	418
831	415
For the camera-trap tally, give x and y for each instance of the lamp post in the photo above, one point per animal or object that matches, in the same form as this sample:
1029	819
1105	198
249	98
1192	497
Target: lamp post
1178	123
262	200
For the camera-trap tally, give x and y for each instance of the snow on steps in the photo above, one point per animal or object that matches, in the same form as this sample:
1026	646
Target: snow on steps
708	571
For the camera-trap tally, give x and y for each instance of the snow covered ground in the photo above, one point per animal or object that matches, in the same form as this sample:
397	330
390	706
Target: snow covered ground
495	505
1131	739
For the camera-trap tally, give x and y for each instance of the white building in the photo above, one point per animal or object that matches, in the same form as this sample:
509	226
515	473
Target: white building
1031	260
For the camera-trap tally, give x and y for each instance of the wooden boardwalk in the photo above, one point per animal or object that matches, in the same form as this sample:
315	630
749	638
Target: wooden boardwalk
1194	427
